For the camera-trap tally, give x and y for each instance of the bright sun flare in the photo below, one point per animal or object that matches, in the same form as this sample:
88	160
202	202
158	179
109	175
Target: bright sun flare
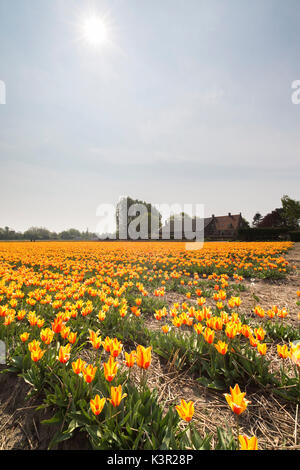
95	31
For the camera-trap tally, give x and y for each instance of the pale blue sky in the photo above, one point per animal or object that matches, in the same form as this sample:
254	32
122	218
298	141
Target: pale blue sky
189	102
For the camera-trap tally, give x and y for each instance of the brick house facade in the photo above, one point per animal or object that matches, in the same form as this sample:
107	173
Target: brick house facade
215	227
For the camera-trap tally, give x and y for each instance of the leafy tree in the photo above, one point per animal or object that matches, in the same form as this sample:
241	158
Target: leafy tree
287	216
257	219
152	215
71	234
37	233
9	234
290	211
244	223
273	219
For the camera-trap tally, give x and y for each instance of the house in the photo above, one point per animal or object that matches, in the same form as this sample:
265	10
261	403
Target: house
224	227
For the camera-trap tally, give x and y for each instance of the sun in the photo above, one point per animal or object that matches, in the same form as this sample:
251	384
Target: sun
95	31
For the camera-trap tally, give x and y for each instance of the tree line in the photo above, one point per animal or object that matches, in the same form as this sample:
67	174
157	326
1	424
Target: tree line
41	233
286	216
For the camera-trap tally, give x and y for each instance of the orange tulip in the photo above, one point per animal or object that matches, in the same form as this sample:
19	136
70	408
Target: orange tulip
165	328
262	349
37	354
282	313
248	444
115	347
185	410
24	337
143	357
246	331
177	322
130	359
116	395
224	317
101	315
32	318
295	353
253	341
97	404
21	314
236	400
231	303
221	347
64	353
201	301
78	366
283	351
57	325
209	335
259	311
46	335
40	322
65	331
106	344
89	373
259	333
72	337
95	339
34	345
231	330
237	301
198	328
110	369
271	313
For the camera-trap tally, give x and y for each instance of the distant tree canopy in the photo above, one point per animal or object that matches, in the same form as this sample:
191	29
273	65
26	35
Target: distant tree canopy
287	216
245	223
126	214
37	233
273	219
183	216
9	234
71	234
290	211
40	233
257	219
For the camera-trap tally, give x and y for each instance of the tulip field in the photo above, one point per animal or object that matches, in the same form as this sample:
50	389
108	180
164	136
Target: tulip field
147	345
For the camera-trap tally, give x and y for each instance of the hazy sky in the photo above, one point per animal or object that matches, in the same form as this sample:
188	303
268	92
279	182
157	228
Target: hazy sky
189	101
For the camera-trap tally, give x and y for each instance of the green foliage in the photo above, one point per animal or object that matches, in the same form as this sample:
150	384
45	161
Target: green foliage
139	423
289	388
226	440
282	331
290	211
295	236
130	329
191	352
19	364
183	351
262	234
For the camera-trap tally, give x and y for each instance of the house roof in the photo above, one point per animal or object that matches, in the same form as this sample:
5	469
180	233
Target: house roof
228	222
222	223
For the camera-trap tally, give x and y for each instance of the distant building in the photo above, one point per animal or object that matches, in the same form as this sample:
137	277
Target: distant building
215	227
